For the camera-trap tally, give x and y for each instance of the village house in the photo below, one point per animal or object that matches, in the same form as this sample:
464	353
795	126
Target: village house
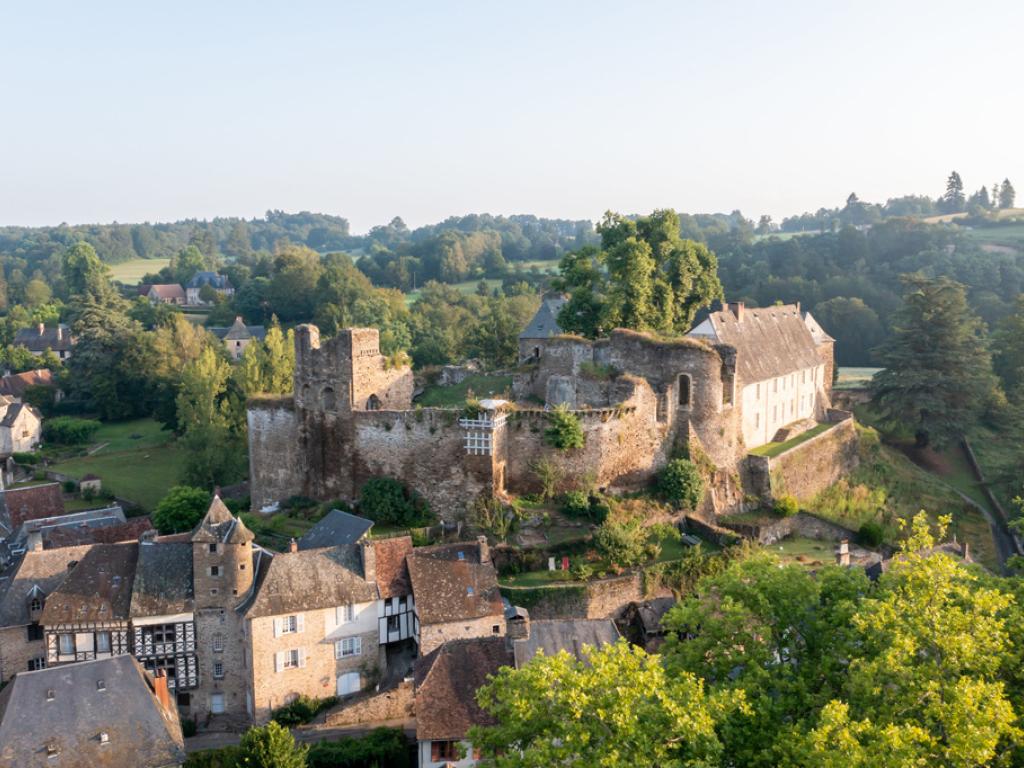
238	336
335	529
456	591
19	505
106	712
21	427
17	384
25	586
541	327
76	528
166	293
39	339
217	282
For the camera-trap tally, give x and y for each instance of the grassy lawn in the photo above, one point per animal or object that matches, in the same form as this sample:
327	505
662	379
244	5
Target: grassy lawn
131	272
482	386
467	288
279	529
138	461
801	551
772	450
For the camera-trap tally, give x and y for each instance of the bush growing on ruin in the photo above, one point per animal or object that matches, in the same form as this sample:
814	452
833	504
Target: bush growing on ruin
585	505
385	500
180	509
564	430
625	542
681	483
549	475
870	534
786	506
494	518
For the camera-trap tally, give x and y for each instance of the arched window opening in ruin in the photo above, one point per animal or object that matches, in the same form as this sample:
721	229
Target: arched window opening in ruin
536	353
684	390
328	399
373	403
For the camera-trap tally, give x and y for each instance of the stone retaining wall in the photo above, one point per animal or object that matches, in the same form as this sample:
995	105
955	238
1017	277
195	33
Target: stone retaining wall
803	524
392	704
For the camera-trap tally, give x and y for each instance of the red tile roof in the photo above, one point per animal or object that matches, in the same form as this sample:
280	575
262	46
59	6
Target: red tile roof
15	384
33	502
392	573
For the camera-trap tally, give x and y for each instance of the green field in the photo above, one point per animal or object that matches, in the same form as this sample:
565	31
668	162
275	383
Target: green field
1011	235
136	460
455	396
854	378
131	272
771	450
468	287
801	551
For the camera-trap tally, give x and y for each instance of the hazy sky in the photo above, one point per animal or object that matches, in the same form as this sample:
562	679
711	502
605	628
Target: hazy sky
116	111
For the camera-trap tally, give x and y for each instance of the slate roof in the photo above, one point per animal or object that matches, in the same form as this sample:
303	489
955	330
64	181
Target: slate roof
98	589
15	384
312	579
334	529
446	681
163	580
451	589
769	341
167	291
14	410
220	282
44	569
570	635
66	536
141	733
392	572
57	338
219	525
650	613
89	518
29	503
238	331
545	322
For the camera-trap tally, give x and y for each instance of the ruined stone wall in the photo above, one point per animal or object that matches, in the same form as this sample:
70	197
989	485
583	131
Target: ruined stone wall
597	599
812	466
434	635
622	447
394	704
802	524
275	461
425	450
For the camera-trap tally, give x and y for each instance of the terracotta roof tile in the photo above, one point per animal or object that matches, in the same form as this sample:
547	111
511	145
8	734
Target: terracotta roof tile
392	573
450	583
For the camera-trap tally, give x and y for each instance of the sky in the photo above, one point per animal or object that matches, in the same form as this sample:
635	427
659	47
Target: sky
161	111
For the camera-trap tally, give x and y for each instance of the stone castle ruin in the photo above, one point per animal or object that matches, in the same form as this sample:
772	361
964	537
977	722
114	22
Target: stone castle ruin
742	378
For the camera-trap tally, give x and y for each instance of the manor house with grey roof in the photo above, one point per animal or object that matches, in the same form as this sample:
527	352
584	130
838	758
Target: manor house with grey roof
742	378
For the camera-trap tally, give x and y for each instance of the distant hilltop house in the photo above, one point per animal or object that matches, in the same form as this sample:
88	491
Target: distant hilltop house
166	293
21	426
742	379
238	336
41	338
220	283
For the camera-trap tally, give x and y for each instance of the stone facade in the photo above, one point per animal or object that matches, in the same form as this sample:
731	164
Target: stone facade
16	651
275	681
435	635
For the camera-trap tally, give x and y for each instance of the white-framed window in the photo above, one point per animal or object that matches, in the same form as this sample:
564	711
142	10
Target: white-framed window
67	644
344	614
218	670
292	659
37	663
218	643
217	703
102	642
289	625
348	647
215	570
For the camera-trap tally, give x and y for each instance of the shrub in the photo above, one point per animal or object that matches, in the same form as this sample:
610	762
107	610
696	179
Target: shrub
870	534
576	504
380	748
786	506
69	486
180	509
493	517
225	757
25	457
188	727
549	475
624	543
68	430
271	746
298	502
385	500
564	431
681	483
301	710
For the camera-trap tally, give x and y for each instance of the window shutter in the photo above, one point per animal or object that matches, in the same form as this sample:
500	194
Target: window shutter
302	657
277	627
279	661
300	623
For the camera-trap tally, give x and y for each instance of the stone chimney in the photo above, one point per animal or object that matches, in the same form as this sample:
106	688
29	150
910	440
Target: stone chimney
293	545
843	554
518	626
736	307
485	549
34	543
160	689
369	560
148	537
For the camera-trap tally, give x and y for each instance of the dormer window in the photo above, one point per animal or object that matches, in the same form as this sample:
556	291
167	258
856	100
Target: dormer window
462	555
52	750
50	694
104	737
35	604
101	685
469	591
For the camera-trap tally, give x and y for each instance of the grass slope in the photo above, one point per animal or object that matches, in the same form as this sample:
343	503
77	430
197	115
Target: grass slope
772	450
136	460
449	397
